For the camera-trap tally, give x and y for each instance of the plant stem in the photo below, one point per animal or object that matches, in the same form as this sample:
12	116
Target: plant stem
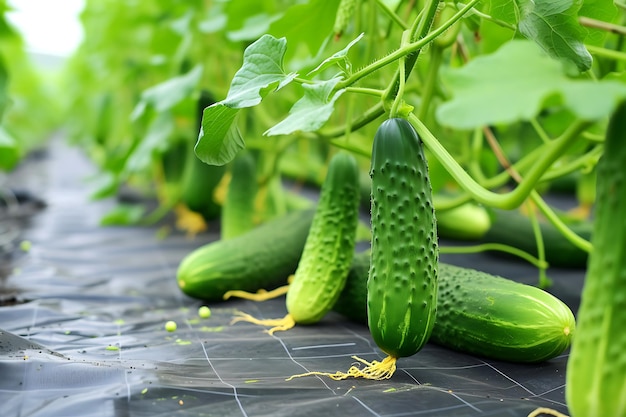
511	199
392	15
599	24
576	240
363	90
436	57
411	50
371	114
544	281
483	247
606	53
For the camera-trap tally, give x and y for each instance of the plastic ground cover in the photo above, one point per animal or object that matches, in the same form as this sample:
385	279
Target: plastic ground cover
82	332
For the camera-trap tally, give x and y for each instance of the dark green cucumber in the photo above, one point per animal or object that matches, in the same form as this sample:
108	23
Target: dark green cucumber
262	258
199	179
480	314
237	215
402	285
510	227
329	248
596	368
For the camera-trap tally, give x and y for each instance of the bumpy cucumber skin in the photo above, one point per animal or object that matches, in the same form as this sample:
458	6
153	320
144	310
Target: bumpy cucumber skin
481	314
596	369
237	216
262	258
402	285
328	252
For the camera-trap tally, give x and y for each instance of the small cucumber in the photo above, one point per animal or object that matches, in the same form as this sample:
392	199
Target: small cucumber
480	314
262	258
328	252
237	215
402	285
596	369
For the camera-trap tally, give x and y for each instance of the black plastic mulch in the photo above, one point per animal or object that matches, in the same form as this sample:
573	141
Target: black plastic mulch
83	313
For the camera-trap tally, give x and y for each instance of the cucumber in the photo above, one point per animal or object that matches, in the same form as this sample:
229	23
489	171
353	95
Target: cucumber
200	179
468	221
596	368
328	251
481	314
402	284
237	214
262	258
510	227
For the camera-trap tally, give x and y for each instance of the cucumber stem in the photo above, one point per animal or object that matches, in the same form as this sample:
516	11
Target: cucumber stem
511	199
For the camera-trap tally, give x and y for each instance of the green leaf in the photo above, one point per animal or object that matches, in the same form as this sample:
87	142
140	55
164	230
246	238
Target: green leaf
603	10
309	23
168	94
262	71
219	139
553	24
514	84
311	111
503	10
9	151
340	58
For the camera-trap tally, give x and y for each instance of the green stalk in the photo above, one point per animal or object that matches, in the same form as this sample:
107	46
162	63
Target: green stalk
511	199
544	281
483	247
411	50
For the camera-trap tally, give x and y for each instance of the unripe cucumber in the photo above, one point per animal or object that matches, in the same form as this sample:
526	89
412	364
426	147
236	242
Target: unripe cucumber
480	314
237	215
329	248
596	369
402	285
262	258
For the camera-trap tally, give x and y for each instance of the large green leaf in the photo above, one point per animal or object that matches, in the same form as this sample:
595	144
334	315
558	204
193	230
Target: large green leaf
261	72
553	24
515	83
310	112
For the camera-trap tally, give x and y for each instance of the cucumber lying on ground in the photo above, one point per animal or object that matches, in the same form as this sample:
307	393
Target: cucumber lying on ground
596	368
512	228
480	314
262	258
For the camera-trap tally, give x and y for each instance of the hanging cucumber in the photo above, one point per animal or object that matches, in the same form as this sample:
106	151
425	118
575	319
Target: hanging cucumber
596	369
402	282
200	179
328	252
480	314
237	214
